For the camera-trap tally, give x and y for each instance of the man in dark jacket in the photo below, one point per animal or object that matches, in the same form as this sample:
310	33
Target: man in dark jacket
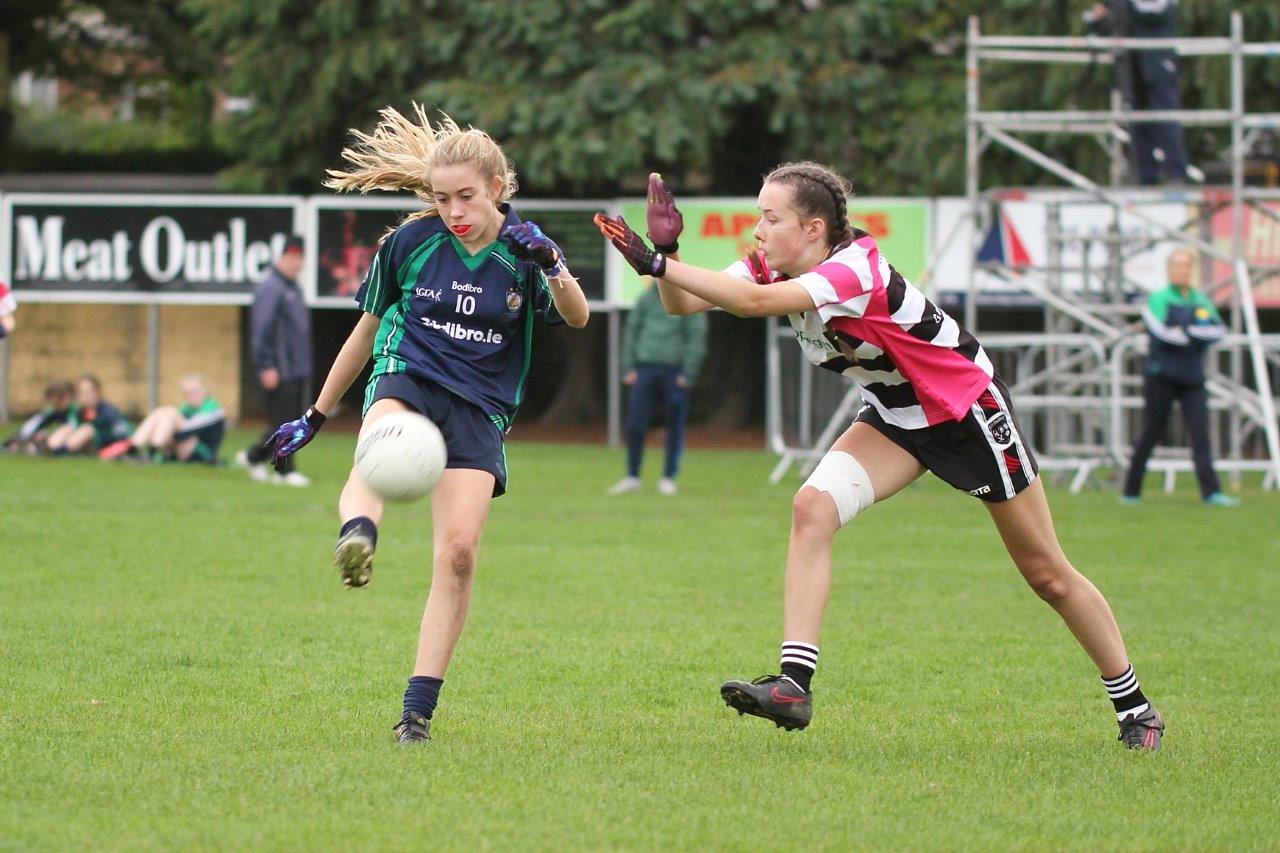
281	348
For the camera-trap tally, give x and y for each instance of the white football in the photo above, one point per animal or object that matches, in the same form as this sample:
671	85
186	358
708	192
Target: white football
401	456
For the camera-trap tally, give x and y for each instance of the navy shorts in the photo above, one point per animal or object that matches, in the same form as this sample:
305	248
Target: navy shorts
473	441
984	454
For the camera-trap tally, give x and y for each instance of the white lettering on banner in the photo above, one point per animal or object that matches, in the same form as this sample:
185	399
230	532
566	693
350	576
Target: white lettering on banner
39	248
462	333
237	248
164	252
199	263
149	248
257	257
42	254
100	261
74	253
120	244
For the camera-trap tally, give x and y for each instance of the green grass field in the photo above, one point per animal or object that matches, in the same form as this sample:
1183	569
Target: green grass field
180	668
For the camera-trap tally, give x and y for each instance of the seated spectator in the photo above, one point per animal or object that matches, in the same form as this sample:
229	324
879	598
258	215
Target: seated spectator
191	432
34	432
93	425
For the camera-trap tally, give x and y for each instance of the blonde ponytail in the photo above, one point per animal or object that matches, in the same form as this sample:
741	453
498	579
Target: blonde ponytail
400	154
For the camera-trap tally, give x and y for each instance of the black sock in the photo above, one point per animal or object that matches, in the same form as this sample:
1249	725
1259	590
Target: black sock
421	695
799	661
364	524
1125	694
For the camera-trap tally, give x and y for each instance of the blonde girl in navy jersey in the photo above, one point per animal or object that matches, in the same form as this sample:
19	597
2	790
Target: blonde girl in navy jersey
449	305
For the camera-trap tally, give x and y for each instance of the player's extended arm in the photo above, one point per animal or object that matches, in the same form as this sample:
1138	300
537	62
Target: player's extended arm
737	296
291	437
7	325
570	301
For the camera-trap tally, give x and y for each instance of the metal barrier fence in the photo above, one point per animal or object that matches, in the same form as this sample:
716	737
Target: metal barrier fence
1079	403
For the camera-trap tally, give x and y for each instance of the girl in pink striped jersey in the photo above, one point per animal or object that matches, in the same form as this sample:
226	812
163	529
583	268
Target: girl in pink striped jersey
932	403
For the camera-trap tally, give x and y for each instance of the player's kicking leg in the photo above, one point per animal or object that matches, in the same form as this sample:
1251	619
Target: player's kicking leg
862	467
360	509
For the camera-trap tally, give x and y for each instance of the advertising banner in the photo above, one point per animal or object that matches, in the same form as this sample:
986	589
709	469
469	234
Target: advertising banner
348	231
142	249
717	232
1084	228
1261	248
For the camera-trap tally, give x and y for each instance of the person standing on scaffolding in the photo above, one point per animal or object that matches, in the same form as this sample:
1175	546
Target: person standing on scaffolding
1147	80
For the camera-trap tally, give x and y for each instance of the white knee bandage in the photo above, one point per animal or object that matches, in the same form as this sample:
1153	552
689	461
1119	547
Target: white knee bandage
846	481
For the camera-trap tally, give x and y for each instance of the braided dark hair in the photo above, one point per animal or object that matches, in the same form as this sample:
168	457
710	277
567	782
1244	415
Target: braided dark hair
819	192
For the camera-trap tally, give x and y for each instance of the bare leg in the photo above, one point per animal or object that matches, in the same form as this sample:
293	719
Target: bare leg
58	438
1026	527
815	521
157	429
459	507
80	439
182	450
167	422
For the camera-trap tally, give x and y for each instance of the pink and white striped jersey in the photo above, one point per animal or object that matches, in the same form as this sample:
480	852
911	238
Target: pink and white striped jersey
915	365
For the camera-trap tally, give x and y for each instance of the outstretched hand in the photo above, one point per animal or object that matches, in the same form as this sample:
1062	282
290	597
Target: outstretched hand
291	437
528	243
631	246
664	220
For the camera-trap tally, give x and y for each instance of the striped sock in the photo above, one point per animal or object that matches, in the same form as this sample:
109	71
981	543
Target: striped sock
1125	694
799	660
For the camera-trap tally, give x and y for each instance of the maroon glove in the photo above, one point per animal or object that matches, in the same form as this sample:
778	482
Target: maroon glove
633	249
663	217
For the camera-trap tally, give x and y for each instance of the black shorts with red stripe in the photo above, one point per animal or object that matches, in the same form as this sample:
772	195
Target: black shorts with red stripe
985	454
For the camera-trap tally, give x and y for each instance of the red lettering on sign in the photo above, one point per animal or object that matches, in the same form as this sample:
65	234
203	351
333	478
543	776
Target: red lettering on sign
713	226
875	224
741	222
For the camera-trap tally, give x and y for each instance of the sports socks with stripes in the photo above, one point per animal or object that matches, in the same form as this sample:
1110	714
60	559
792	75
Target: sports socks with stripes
1125	694
799	661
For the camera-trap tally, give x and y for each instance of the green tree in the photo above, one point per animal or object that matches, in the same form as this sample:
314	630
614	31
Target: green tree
106	48
24	45
588	95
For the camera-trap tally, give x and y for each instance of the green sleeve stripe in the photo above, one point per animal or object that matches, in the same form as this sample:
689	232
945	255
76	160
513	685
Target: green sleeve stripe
374	294
408	271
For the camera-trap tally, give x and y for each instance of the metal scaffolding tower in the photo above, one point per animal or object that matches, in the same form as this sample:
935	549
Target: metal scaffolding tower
1066	380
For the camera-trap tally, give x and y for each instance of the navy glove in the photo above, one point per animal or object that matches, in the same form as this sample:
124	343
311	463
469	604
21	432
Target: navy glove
633	249
528	243
289	438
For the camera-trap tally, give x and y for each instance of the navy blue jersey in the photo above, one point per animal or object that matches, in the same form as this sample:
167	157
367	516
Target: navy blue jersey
464	321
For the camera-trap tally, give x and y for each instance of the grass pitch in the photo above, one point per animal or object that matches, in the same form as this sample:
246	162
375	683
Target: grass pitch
180	668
